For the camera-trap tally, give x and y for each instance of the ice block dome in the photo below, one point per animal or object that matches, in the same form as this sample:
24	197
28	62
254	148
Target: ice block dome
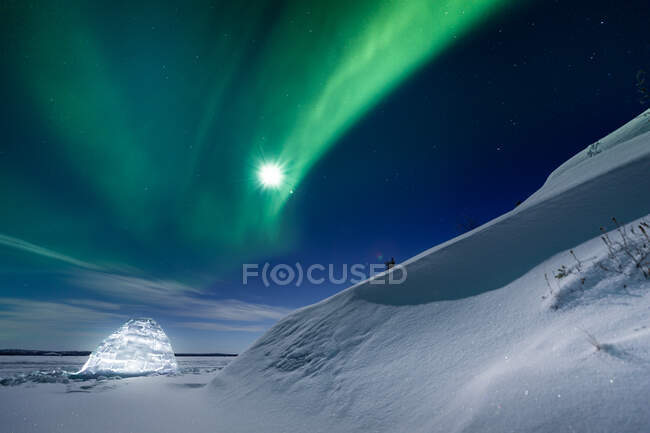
140	346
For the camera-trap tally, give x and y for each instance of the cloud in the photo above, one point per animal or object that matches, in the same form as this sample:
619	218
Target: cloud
175	298
115	280
133	287
45	252
128	291
93	304
231	309
57	313
211	326
40	321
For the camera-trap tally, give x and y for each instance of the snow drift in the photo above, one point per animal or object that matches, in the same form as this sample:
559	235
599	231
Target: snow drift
139	347
476	339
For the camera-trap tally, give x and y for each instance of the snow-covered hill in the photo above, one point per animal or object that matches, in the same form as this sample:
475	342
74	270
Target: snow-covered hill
476	339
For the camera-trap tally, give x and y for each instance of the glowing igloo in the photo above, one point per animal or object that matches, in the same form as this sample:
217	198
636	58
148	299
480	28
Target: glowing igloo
139	347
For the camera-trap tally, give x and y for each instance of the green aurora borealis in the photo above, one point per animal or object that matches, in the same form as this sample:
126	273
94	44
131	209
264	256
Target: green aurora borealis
153	118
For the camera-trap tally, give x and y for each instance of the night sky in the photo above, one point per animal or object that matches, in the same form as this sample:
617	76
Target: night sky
132	136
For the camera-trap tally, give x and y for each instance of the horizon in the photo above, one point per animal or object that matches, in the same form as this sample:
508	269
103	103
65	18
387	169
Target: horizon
59	352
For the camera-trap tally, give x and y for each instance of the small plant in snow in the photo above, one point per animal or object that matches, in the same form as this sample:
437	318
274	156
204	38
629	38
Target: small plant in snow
632	248
591	339
562	272
578	261
593	149
628	254
551	291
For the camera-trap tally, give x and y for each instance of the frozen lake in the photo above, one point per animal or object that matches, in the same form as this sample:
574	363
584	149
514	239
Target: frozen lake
38	395
15	370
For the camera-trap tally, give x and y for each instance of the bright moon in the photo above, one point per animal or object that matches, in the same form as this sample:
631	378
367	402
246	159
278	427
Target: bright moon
270	175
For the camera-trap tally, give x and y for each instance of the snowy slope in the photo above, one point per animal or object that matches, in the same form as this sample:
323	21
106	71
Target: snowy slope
429	355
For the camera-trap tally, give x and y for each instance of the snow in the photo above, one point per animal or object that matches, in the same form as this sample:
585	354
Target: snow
139	347
505	360
105	404
635	128
475	340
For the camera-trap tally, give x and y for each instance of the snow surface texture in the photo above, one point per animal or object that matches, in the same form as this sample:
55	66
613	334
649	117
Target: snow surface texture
475	340
139	347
